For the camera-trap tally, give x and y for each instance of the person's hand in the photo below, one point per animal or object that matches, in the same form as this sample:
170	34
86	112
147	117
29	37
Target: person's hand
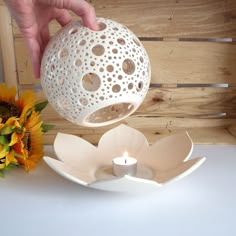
33	17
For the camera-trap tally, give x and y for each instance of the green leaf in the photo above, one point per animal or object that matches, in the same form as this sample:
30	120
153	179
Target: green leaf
45	128
40	106
3	140
4	150
11	166
28	113
7	130
7	168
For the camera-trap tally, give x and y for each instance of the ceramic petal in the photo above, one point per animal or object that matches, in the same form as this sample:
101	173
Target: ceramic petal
70	171
72	149
168	152
120	139
179	171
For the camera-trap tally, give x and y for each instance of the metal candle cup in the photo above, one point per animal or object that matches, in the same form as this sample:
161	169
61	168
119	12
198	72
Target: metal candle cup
124	166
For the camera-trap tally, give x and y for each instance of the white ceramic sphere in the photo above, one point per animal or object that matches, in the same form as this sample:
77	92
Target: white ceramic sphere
95	78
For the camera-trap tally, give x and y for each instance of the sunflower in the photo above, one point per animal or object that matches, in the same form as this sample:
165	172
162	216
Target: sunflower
29	145
21	129
10	107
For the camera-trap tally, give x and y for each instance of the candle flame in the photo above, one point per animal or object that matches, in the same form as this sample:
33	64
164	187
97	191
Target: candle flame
125	155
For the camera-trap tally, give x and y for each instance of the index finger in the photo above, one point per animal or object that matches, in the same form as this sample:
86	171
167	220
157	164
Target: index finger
79	7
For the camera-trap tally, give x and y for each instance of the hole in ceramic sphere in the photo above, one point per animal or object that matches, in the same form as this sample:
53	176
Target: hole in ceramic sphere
82	42
136	42
91	82
110	68
109	79
120	77
110	113
101	26
83	101
121	41
60	80
98	50
63	54
130	85
116	88
101	98
92	63
77	51
74	90
63	104
141	59
53	67
128	66
86	33
73	31
103	36
115	28
140	86
101	69
114	50
78	62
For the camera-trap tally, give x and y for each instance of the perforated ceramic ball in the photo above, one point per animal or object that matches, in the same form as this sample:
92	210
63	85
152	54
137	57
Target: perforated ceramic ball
95	78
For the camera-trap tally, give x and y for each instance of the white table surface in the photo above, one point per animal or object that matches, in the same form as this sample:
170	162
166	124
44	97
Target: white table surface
44	203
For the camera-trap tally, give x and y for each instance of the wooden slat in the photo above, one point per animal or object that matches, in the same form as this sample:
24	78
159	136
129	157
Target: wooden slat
192	62
7	48
181	102
172	62
198	135
185	102
212	131
202	130
23	63
168	18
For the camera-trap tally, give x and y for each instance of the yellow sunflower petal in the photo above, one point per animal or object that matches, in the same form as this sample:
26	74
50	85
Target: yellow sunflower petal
2	166
10	158
11	121
33	125
25	102
14	139
7	94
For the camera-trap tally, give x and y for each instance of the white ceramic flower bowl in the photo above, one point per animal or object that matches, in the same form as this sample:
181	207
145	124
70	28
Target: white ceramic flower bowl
165	161
95	78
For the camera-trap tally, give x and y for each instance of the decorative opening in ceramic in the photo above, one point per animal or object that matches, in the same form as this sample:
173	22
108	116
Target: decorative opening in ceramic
91	82
73	30
128	66
98	50
110	113
101	26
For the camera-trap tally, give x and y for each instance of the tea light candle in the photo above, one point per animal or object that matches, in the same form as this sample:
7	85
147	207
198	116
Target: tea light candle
124	165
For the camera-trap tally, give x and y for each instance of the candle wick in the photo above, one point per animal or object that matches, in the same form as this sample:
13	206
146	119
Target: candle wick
125	161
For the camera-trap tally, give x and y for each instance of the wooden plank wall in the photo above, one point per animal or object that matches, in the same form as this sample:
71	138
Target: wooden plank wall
192	49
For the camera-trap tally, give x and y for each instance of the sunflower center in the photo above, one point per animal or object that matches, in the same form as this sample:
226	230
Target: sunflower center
8	110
